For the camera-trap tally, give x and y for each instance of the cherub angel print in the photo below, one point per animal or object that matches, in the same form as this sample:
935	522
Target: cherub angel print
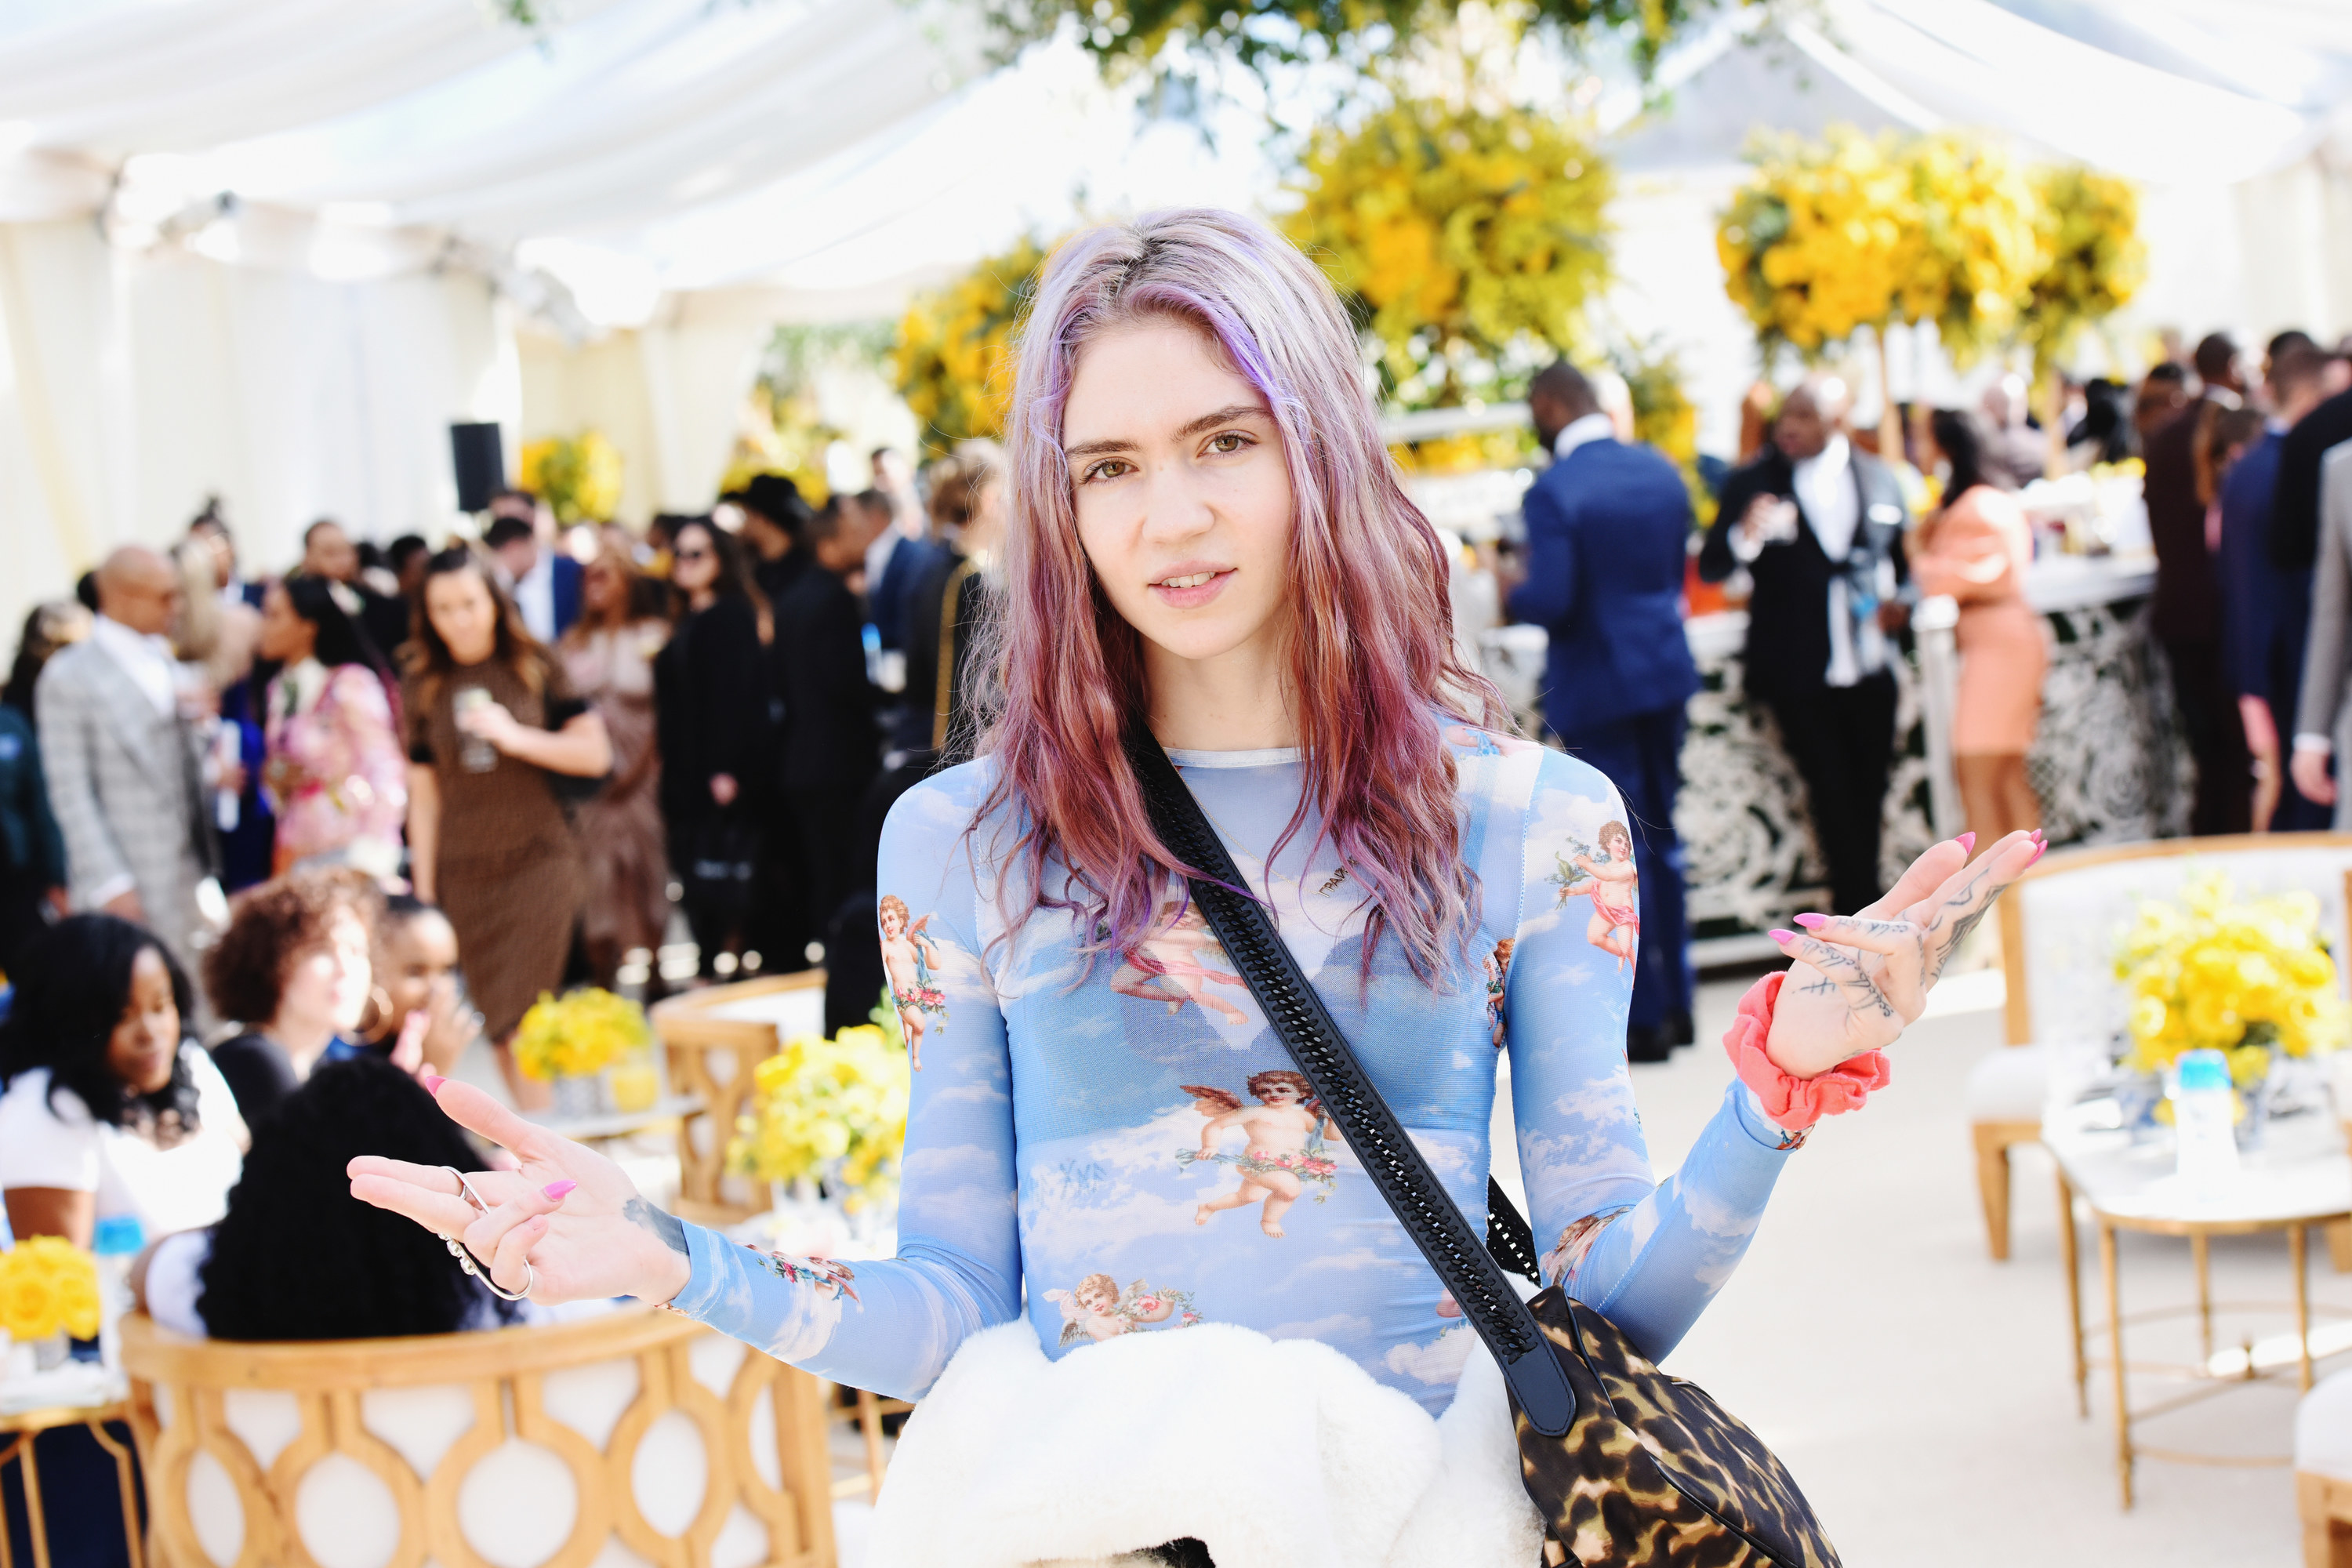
1286	1131
1098	1310
1178	962
1607	874
1498	977
908	959
1573	1244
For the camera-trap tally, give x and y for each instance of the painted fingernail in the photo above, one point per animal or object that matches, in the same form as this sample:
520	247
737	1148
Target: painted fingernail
2039	852
1966	841
432	1082
1784	936
555	1190
1812	922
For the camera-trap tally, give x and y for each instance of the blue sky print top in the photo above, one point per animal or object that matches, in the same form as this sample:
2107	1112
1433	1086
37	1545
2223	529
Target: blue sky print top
1131	1153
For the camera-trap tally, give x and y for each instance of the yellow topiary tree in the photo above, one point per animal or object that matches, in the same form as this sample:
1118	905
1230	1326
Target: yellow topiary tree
1468	241
953	360
1814	245
2094	259
578	477
1973	243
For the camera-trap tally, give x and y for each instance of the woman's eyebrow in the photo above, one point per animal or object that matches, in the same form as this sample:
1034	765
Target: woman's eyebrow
1224	415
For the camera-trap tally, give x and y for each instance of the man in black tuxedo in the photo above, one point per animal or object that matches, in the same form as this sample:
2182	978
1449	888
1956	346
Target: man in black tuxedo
1819	525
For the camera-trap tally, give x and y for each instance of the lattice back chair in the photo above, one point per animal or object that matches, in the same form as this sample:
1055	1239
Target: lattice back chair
714	1038
2058	928
638	1437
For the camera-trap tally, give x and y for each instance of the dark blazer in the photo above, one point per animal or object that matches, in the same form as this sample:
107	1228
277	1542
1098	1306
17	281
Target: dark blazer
829	742
1608	537
2265	609
2187	606
1788	609
2294	513
886	600
567	592
711	709
33	847
944	610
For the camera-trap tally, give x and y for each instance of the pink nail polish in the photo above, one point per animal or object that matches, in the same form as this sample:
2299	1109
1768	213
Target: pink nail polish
1784	936
555	1190
432	1082
1966	841
1812	922
2039	852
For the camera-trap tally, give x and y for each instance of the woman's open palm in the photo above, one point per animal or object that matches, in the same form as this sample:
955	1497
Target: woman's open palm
569	1225
1858	980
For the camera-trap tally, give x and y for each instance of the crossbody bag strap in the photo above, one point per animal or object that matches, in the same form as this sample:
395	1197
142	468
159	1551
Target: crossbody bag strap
1296	1013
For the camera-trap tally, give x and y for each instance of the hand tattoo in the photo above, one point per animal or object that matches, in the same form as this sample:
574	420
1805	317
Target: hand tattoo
665	1226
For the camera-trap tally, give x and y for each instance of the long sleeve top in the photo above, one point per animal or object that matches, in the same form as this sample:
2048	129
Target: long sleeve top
1119	1147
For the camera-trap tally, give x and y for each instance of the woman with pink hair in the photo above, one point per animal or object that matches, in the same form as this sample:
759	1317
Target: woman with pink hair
1207	538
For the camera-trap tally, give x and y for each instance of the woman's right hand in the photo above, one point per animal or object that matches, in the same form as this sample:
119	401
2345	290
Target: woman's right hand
568	1213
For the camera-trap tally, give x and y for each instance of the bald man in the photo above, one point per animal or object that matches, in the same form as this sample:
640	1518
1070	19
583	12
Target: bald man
1819	525
125	766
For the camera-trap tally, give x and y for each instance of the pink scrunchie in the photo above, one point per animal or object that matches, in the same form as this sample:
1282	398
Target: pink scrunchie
1794	1104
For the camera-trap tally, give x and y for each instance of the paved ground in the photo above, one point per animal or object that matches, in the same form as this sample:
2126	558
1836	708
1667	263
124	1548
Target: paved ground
1920	1391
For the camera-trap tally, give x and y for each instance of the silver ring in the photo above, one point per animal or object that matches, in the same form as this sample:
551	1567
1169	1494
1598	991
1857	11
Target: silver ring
465	1189
465	1262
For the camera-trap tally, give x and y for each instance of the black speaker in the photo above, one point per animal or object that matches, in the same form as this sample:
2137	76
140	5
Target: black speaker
482	464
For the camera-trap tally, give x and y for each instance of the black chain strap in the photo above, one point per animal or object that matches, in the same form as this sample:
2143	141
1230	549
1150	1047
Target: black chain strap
1372	1131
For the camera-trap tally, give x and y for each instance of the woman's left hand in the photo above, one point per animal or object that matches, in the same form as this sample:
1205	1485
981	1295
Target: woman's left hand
493	724
1859	980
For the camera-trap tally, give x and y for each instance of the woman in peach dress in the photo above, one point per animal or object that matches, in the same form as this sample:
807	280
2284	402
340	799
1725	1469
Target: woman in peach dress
1977	549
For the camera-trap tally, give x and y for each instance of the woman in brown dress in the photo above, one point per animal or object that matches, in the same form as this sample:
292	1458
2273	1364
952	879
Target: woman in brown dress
489	717
1977	549
608	656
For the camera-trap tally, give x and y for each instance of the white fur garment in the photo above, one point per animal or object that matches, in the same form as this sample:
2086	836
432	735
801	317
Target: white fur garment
1273	1453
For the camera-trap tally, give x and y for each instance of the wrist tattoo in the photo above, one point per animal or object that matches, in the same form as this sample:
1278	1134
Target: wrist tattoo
668	1227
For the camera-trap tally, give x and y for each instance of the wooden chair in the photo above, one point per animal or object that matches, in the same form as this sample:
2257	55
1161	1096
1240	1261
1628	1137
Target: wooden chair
2323	1472
714	1037
543	1445
2058	929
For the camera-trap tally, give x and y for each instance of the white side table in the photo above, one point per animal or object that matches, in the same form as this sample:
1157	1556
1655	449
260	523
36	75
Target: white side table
2300	1177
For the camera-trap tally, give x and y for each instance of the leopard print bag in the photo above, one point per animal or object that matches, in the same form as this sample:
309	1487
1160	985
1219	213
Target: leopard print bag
1628	1468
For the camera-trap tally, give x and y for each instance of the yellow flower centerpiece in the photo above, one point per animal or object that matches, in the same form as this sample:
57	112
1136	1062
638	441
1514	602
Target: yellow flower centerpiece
48	1288
2250	978
570	1040
953	362
578	477
831	1111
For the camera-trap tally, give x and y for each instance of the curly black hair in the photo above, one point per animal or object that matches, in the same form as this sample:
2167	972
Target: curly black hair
71	989
298	1258
273	926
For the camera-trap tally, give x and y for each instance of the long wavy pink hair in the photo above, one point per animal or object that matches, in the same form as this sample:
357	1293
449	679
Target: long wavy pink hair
1373	673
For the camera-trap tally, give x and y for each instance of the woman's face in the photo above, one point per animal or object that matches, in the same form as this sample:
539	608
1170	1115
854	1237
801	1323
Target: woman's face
285	636
1183	492
603	592
328	987
460	606
420	960
694	561
146	1039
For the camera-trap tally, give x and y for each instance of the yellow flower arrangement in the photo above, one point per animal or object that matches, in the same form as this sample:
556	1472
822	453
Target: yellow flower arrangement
47	1284
2094	259
817	1101
953	362
1814	246
1464	238
1976	246
578	477
579	1034
2244	978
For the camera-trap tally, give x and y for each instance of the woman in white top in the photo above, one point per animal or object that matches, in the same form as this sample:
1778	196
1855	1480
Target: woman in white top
111	1112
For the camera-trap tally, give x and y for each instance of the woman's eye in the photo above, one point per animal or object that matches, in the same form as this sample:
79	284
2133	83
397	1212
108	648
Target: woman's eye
1231	441
1109	468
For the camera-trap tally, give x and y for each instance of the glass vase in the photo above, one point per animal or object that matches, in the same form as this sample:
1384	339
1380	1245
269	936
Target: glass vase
579	1098
52	1353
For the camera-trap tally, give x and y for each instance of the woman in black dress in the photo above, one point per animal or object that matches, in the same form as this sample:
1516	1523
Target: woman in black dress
716	732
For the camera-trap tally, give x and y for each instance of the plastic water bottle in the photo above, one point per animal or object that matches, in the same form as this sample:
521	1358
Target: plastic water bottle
116	1241
2204	1115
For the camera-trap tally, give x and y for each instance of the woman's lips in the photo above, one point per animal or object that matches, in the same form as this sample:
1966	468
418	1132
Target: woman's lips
1194	596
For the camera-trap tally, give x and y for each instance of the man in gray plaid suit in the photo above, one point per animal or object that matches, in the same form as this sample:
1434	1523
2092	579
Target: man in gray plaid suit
125	766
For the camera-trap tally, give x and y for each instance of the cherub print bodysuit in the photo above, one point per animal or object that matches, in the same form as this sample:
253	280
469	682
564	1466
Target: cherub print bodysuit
1139	1131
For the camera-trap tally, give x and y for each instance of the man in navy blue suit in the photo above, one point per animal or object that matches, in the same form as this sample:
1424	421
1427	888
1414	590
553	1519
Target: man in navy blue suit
545	583
1608	531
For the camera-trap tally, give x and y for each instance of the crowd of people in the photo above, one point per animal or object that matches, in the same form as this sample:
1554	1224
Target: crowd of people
2247	485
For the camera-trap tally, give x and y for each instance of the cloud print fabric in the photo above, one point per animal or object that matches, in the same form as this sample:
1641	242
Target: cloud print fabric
1130	1143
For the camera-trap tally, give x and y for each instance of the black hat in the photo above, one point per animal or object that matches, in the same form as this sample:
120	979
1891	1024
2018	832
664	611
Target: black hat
778	499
